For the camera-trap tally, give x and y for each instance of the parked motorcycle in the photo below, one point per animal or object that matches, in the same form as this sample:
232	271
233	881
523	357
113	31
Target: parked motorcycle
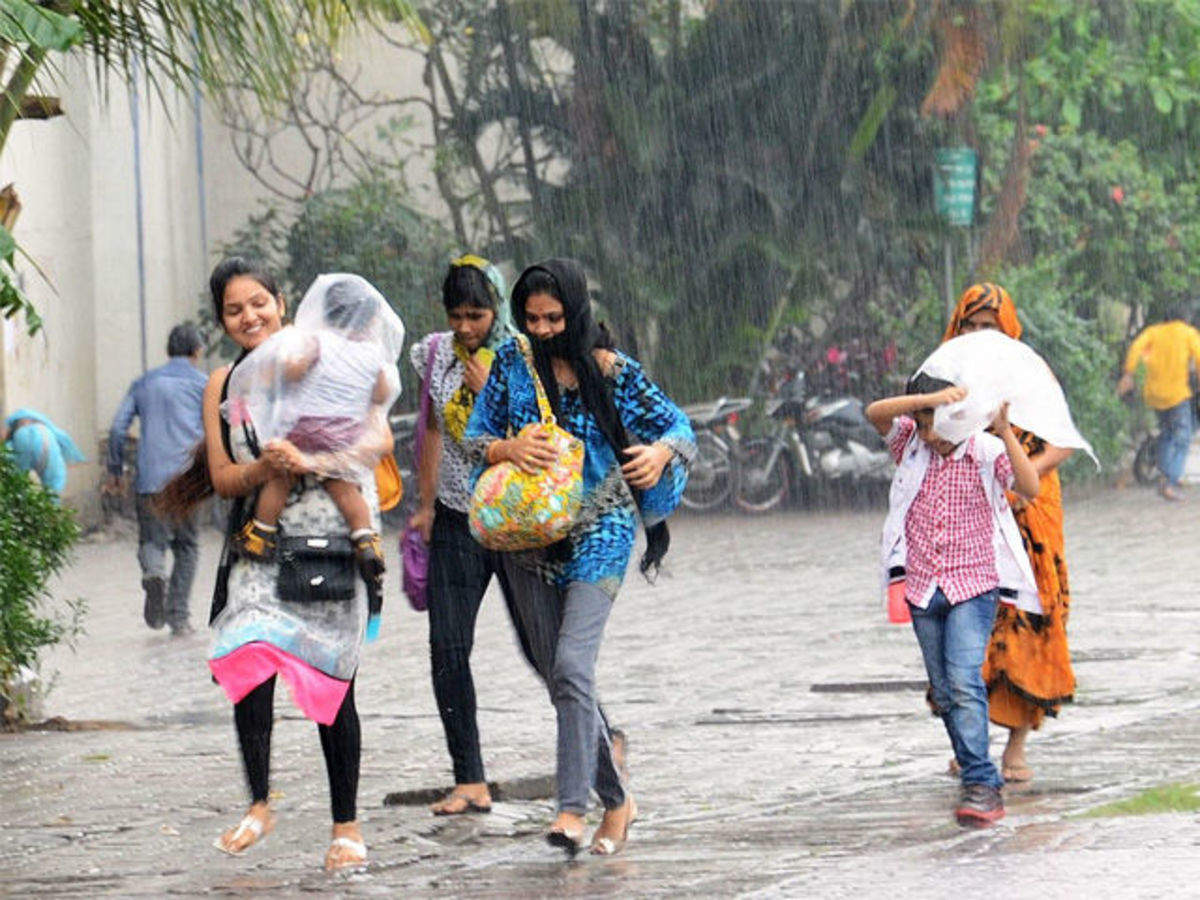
711	477
812	443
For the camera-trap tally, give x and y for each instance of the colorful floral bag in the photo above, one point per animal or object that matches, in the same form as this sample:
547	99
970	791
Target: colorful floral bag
512	510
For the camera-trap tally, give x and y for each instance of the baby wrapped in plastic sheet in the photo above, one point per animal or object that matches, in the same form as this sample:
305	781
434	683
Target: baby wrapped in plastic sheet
325	384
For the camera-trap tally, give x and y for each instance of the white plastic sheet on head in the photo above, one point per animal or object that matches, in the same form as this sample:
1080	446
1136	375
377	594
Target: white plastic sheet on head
326	382
996	369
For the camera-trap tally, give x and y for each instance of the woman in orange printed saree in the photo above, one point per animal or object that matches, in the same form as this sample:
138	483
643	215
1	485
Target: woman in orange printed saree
1028	665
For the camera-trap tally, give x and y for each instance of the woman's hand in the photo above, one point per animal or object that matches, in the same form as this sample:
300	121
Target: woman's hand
283	457
1000	423
475	373
422	521
1017	502
530	453
646	464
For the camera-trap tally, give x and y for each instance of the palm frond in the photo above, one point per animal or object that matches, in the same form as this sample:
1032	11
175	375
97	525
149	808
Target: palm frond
227	45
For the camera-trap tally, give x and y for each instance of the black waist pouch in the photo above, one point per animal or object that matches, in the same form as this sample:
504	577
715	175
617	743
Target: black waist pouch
315	568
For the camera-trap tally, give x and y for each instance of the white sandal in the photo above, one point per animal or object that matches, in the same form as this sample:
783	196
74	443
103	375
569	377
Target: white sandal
249	823
358	848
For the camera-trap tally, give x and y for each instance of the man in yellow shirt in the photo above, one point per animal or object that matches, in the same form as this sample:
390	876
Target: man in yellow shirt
1167	350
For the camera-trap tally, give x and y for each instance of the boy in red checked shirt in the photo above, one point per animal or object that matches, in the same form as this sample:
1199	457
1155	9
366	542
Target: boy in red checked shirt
951	536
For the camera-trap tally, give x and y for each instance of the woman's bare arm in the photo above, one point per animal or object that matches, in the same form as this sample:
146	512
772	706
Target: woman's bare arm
1050	459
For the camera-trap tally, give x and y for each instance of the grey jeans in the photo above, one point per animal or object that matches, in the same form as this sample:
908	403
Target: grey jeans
155	537
564	628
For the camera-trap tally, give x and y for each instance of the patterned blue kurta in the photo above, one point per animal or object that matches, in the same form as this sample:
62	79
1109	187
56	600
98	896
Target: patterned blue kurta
602	540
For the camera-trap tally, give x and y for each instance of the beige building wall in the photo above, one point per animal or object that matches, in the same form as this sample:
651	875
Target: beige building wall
74	176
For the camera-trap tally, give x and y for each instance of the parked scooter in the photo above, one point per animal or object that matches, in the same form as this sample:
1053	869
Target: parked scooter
812	443
711	477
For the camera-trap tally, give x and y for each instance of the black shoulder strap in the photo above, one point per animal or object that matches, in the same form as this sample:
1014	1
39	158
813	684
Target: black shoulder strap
226	441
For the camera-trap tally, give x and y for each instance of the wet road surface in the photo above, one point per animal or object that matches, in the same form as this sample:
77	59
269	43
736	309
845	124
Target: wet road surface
779	742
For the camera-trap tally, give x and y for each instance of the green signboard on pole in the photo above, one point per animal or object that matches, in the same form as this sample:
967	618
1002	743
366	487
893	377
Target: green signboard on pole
954	184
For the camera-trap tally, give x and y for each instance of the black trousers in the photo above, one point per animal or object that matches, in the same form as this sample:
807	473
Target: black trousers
341	743
459	573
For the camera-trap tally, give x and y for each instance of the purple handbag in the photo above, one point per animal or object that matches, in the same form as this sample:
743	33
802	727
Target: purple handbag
414	552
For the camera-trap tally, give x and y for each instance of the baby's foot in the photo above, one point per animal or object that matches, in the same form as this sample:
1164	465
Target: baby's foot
368	552
256	541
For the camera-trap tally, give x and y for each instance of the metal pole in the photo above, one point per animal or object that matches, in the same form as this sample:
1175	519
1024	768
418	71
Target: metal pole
949	279
135	116
200	177
198	108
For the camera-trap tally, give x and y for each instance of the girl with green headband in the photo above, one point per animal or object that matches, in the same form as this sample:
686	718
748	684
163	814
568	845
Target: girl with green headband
474	295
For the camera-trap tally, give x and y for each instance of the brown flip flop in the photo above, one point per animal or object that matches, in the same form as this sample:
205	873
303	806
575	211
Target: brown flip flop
439	808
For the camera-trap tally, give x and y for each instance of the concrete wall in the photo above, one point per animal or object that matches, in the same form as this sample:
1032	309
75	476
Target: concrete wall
74	176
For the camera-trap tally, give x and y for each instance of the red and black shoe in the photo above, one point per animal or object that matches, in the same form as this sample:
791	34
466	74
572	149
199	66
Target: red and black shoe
980	806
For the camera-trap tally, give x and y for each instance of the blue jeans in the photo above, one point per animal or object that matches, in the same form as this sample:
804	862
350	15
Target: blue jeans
157	535
954	640
1174	439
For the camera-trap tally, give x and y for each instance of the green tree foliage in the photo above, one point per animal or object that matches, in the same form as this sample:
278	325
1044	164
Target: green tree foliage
36	534
727	174
753	180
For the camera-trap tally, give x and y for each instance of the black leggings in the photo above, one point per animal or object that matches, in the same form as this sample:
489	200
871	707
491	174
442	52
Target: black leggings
341	742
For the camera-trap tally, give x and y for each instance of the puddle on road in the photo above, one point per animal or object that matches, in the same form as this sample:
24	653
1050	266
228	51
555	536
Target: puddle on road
868	687
535	787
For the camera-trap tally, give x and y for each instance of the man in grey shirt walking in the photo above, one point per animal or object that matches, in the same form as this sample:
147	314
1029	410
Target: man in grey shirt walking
168	401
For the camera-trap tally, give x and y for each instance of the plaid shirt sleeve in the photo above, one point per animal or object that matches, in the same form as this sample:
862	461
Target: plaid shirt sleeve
1004	472
902	429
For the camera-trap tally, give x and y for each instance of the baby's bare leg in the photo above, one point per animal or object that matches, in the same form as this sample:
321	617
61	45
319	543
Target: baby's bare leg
350	503
272	498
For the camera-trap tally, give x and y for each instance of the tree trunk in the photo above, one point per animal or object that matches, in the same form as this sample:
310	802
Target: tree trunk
445	188
510	64
490	200
1003	232
16	89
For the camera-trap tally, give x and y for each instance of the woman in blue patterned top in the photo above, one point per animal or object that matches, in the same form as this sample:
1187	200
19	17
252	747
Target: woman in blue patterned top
637	445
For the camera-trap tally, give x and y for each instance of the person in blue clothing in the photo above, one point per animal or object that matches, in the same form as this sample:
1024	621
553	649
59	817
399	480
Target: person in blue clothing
41	447
168	402
637	446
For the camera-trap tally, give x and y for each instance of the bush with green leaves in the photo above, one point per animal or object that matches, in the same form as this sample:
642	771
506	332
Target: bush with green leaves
36	534
1086	365
1118	229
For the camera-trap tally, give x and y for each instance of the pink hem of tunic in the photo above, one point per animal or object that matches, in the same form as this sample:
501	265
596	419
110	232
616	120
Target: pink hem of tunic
319	696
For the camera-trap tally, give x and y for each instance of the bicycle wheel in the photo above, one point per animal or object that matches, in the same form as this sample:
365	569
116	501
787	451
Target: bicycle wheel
1145	462
711	476
761	487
